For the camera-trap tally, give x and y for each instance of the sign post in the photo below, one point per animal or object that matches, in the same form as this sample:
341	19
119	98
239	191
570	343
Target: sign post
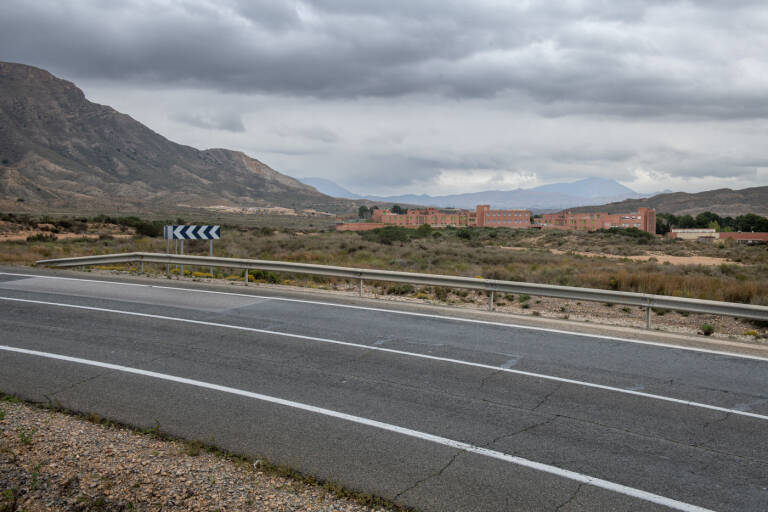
191	232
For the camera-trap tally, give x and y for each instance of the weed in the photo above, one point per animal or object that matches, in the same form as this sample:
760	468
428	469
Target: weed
523	298
193	448
751	332
10	499
2	415
536	313
626	309
707	329
26	436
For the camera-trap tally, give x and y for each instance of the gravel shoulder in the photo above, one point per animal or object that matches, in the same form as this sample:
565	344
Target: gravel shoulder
50	460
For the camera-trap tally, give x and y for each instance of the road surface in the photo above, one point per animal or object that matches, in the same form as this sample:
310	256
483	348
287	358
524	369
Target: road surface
432	411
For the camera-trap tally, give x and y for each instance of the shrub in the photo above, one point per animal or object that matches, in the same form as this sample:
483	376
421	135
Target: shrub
707	329
42	237
464	233
423	231
400	289
385	235
264	275
441	293
523	298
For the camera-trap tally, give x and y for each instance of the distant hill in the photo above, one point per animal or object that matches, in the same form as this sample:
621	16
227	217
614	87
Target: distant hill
724	202
546	197
328	187
59	149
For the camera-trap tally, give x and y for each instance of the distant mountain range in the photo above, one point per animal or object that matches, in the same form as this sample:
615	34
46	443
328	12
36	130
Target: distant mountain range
57	149
555	196
724	202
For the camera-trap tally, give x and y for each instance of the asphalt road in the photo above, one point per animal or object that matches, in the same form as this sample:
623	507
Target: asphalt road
431	411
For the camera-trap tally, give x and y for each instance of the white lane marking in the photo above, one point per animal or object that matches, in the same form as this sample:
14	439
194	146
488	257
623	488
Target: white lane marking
409	313
554	470
402	353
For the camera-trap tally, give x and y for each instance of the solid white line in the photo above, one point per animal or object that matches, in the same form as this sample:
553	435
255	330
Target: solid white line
402	353
554	470
412	313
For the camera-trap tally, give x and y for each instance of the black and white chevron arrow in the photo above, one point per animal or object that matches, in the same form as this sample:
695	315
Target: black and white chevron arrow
192	232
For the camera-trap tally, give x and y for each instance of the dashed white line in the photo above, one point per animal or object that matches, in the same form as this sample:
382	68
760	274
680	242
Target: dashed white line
470	448
412	313
400	352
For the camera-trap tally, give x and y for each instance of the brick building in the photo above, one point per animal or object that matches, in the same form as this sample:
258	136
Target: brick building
442	218
644	219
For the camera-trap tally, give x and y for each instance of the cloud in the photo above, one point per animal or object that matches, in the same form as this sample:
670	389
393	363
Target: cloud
429	96
627	59
314	133
227	121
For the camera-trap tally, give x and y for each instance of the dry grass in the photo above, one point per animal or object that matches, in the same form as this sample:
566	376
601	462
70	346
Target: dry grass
484	254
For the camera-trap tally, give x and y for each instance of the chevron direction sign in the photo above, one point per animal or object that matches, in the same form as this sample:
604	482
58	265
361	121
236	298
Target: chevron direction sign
191	232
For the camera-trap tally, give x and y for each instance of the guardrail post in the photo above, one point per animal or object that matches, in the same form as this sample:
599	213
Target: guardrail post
361	287
141	266
246	277
181	243
490	301
648	314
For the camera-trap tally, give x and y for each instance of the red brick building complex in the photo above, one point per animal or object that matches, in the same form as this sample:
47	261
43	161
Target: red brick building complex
644	219
443	218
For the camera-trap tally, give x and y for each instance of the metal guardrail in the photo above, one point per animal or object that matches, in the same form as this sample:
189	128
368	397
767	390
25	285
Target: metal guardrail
492	286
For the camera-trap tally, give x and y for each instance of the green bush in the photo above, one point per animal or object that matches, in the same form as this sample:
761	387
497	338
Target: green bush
264	275
400	289
707	329
386	235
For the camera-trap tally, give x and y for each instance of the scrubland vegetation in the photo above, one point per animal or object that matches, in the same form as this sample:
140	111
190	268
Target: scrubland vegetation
553	257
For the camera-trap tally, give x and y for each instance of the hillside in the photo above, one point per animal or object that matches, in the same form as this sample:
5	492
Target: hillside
58	149
724	202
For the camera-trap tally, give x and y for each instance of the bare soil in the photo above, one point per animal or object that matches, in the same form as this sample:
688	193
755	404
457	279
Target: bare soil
53	461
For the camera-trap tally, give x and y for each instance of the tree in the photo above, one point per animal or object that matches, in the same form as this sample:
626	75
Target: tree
397	209
363	212
751	222
685	222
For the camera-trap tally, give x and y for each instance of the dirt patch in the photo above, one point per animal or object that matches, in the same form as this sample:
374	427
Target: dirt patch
658	257
53	461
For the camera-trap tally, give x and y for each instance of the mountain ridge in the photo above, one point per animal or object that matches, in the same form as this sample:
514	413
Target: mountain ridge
544	197
59	149
723	201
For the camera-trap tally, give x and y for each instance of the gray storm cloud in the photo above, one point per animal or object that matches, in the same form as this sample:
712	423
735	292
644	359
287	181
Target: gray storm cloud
634	65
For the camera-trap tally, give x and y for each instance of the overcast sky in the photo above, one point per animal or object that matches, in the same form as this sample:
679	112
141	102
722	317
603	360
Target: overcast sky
429	96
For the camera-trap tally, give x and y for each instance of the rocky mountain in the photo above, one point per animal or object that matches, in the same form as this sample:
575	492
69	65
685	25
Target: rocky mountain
545	197
724	202
59	149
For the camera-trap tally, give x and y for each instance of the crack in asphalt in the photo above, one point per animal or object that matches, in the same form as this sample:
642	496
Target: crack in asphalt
569	500
437	474
77	383
522	430
489	376
547	397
